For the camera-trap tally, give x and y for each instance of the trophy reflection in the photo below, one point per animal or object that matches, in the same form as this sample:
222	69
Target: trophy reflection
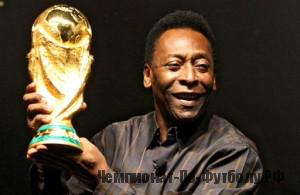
59	64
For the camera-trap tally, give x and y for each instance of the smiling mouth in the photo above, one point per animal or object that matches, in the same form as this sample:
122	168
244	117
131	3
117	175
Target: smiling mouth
187	96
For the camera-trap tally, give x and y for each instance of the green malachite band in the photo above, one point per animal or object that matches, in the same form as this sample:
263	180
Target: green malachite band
58	127
61	138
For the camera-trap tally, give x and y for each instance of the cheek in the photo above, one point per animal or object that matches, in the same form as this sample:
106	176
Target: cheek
163	80
208	81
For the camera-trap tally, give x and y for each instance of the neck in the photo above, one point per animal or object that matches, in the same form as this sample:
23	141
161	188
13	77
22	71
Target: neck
162	124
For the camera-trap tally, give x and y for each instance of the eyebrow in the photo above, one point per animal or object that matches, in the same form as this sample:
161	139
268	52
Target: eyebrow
180	56
194	57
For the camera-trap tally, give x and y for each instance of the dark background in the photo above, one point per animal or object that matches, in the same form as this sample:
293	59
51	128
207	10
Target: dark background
258	75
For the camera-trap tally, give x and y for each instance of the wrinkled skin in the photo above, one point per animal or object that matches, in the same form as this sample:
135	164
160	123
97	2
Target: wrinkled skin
181	76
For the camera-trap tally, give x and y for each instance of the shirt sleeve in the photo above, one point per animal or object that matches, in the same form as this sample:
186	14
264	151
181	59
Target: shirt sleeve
104	141
233	169
106	144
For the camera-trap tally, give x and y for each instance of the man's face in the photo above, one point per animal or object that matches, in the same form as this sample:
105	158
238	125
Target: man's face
181	74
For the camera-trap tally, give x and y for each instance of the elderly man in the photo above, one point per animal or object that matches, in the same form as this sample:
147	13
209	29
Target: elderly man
179	148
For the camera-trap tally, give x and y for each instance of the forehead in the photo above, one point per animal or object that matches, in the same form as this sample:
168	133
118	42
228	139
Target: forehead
182	40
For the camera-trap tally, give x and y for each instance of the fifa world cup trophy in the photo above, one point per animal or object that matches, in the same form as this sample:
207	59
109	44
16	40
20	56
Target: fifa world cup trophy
59	64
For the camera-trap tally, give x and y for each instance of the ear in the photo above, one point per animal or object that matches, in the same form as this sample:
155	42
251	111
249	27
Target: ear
147	76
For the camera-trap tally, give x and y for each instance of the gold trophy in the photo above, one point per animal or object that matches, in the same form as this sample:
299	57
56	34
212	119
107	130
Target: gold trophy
59	64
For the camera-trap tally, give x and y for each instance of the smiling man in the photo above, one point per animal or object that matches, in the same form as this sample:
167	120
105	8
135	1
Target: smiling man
181	75
178	148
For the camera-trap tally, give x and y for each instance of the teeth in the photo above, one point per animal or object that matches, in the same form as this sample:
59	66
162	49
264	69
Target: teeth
187	96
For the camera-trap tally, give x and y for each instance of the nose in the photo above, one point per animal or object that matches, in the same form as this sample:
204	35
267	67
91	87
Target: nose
188	76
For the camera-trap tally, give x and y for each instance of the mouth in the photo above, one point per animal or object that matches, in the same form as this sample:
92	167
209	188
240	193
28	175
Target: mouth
188	100
187	96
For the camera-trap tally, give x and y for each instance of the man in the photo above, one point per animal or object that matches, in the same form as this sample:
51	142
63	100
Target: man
180	146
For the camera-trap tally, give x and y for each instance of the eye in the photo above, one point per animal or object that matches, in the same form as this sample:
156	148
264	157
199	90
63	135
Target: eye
202	64
173	66
202	67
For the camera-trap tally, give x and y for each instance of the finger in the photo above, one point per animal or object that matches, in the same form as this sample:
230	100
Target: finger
33	150
83	106
39	108
34	98
30	152
87	146
41	147
38	120
83	139
31	87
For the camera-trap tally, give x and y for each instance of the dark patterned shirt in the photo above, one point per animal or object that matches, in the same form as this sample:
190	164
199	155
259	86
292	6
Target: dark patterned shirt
213	157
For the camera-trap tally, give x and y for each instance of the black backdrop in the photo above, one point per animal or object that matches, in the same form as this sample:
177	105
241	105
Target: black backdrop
258	74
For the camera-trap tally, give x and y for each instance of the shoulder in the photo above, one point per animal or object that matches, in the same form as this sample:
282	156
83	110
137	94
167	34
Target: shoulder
118	136
228	135
229	149
135	121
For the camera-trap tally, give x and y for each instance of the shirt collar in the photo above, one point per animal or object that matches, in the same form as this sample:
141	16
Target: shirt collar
183	135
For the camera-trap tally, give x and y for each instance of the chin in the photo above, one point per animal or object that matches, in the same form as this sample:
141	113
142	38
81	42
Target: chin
186	116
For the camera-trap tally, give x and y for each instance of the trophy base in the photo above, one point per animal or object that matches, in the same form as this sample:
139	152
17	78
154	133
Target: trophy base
59	139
